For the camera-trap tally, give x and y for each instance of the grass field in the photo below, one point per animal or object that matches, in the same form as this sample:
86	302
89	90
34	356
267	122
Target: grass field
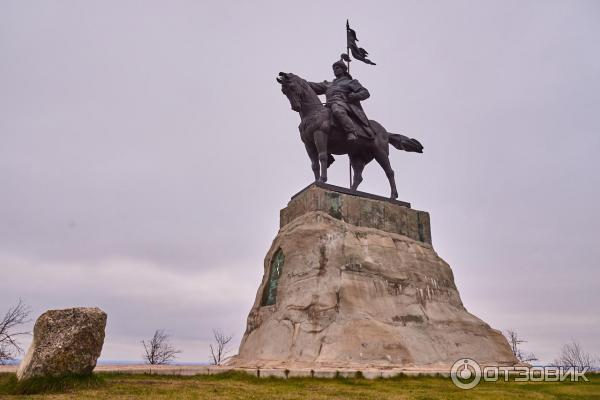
242	386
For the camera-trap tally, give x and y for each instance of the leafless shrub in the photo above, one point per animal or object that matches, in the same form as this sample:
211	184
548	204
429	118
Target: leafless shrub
219	351
515	342
158	350
15	317
572	355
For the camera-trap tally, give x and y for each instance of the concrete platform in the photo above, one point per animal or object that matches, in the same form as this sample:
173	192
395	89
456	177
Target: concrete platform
191	370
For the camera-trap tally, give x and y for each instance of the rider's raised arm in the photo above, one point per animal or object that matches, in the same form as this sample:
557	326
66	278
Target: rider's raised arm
319	88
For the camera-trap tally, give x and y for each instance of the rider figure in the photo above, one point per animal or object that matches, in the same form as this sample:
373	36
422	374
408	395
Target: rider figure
343	96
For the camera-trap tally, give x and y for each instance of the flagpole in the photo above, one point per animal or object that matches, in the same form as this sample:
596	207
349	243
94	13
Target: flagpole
348	64
347	47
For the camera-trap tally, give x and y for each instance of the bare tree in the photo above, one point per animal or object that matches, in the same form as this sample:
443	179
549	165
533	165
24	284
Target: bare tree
15	317
219	351
515	342
158	349
572	355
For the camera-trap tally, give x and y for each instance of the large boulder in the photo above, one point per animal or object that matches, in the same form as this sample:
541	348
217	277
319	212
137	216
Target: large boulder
64	342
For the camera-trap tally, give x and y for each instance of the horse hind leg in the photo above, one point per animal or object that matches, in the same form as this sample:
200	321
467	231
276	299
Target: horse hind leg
357	166
384	161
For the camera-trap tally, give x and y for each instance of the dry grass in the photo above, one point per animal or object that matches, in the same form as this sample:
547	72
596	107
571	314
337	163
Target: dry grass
242	386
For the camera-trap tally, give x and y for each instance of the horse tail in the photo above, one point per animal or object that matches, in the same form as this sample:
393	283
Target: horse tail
402	142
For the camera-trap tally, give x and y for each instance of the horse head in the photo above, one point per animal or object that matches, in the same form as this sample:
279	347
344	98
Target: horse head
294	88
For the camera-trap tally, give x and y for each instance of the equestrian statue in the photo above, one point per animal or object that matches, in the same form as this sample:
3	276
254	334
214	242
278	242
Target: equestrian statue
340	125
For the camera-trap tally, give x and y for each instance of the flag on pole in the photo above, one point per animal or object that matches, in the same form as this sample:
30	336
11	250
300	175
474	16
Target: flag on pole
357	52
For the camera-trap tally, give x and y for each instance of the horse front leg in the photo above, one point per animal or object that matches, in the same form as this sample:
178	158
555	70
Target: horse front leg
314	159
320	139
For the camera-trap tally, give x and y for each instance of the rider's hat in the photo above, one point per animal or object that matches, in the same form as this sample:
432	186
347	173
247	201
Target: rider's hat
340	63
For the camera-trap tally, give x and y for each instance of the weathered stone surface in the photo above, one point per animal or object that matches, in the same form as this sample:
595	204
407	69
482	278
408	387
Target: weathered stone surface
384	214
353	296
324	373
346	373
300	373
273	373
371	374
64	341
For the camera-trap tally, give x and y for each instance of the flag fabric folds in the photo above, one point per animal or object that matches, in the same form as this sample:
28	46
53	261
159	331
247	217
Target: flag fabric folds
357	52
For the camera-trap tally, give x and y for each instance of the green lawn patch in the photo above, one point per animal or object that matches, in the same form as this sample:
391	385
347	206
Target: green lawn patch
236	385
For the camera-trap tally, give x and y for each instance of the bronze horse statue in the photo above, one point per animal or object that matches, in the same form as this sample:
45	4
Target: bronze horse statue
322	137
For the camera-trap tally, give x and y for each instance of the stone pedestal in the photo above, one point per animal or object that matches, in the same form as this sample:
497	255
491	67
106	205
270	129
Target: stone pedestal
352	280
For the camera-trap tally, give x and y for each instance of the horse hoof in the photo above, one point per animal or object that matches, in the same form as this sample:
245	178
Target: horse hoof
322	180
394	196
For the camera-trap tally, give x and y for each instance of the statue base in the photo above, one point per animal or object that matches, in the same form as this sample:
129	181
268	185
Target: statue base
352	280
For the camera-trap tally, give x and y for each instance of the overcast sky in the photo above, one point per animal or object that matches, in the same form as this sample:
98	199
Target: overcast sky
146	149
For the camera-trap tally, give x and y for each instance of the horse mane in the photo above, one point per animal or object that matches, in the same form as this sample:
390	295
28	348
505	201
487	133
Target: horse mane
301	81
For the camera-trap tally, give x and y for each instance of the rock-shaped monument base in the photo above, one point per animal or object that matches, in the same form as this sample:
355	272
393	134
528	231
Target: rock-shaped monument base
354	281
64	342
